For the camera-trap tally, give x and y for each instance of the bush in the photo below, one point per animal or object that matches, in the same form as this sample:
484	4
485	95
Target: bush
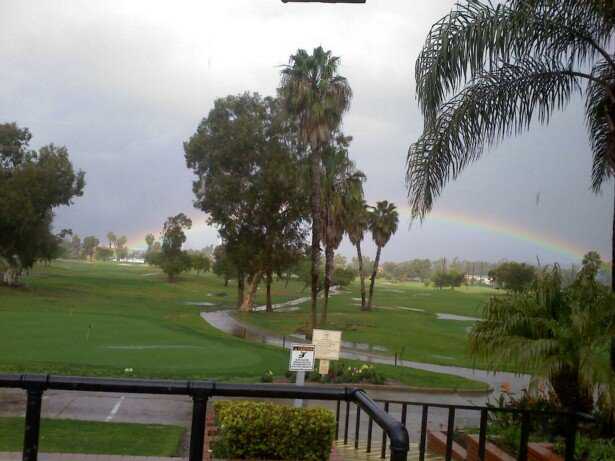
591	449
267	377
264	430
344	276
341	372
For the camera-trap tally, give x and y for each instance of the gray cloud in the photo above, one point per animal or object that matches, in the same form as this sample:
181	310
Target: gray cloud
123	84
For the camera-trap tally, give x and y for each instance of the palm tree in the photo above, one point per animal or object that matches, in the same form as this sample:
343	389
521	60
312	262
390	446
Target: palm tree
383	220
356	223
487	71
316	96
561	334
341	182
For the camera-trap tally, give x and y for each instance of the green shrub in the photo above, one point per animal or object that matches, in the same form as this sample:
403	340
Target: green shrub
264	430
591	449
341	372
267	377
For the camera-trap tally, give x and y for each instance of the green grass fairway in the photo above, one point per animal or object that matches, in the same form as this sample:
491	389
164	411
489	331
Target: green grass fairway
88	437
417	335
77	318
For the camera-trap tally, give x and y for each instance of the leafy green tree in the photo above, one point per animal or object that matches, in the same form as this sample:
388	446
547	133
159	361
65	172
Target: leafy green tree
223	266
561	334
149	241
90	243
344	276
489	70
383	221
104	254
120	249
111	238
455	278
250	183
316	96
513	276
75	247
200	262
439	279
171	258
32	184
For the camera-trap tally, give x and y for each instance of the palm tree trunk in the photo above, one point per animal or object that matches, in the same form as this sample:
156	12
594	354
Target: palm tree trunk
240	288
329	255
613	281
269	280
315	256
361	276
373	280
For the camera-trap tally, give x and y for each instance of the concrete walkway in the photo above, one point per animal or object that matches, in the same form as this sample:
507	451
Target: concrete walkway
224	321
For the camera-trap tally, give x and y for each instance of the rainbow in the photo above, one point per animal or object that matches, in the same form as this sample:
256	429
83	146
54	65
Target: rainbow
548	242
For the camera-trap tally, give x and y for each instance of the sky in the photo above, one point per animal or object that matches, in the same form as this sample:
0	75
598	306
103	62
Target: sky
122	84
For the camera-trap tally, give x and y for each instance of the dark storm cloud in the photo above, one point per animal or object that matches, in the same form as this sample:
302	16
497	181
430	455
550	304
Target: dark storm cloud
123	84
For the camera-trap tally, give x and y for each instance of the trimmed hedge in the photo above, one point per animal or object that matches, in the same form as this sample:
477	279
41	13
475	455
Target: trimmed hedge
264	430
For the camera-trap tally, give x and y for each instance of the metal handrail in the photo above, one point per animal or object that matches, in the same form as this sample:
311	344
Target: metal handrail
200	391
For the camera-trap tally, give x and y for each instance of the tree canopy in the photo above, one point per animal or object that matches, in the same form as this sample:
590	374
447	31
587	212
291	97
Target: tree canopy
32	184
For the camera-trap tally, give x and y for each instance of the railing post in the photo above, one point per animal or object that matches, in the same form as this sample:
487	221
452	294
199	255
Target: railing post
357	427
571	436
33	423
337	420
423	440
383	448
346	421
525	436
449	434
482	435
197	431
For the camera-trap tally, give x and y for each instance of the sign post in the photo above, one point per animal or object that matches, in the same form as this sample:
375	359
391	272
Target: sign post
301	360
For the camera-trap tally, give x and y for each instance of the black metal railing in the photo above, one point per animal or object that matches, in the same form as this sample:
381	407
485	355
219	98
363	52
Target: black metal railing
201	391
449	417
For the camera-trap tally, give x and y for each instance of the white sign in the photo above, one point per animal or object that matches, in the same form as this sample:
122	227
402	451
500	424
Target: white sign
323	367
328	344
301	357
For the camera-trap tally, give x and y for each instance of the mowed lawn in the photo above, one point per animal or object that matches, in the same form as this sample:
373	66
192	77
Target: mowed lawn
90	437
405	320
101	319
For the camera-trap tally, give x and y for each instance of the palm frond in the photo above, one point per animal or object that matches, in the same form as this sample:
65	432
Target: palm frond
600	118
493	105
476	36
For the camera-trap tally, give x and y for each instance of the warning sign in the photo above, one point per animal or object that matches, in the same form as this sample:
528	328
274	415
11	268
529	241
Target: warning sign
302	357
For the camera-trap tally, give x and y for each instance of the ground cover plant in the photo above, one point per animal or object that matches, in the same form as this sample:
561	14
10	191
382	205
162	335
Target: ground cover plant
105	319
90	437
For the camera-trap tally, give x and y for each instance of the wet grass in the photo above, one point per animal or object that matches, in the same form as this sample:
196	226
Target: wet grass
89	437
76	318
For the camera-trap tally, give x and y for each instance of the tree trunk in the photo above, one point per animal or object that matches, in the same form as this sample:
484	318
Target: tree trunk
373	280
315	256
269	280
225	281
287	279
613	282
361	277
571	394
247	303
11	277
329	255
240	288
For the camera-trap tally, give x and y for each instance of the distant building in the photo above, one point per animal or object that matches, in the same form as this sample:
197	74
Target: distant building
482	279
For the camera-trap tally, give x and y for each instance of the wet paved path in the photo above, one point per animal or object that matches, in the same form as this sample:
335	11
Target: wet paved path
224	321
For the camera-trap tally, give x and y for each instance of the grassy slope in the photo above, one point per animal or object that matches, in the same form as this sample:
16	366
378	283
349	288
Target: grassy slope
88	437
419	336
98	319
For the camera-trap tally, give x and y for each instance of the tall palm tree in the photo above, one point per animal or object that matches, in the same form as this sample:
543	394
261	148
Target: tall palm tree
316	96
341	182
487	71
560	333
356	224
383	220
